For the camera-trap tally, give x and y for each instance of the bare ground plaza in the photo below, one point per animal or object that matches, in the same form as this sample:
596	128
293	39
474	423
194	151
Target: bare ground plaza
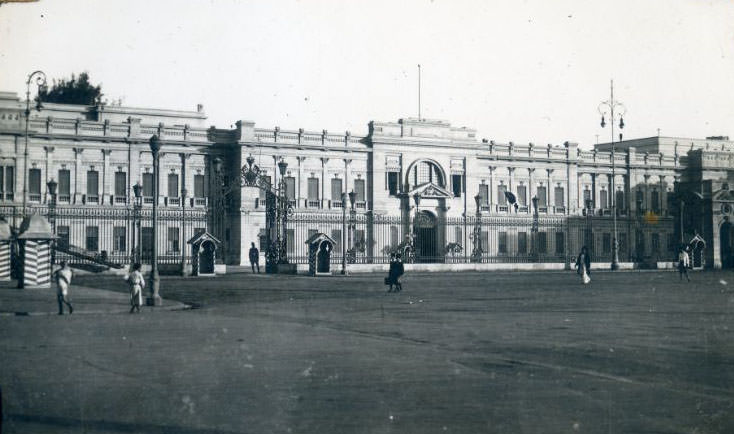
505	352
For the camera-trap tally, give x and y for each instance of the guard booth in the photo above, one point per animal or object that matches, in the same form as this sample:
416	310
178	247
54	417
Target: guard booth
35	250
203	254
6	239
697	246
320	247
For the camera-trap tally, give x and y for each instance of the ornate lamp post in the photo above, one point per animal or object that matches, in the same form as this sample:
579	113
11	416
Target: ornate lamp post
344	233
417	199
476	254
137	208
221	212
613	109
154	298
52	213
40	78
352	252
283	209
534	230
182	243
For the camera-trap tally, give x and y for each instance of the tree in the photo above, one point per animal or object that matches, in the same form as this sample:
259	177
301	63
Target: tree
77	90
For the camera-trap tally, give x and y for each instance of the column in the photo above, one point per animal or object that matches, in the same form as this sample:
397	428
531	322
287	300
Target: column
322	199
106	177
510	181
78	183
490	200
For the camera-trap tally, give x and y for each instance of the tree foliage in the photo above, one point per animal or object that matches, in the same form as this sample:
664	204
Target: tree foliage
77	90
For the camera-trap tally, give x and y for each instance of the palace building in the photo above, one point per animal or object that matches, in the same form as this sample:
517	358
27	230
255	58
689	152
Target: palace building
454	197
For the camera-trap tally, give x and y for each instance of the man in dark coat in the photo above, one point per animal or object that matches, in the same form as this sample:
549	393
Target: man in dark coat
254	258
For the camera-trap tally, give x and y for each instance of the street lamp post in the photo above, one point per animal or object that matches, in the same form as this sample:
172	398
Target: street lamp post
182	243
614	109
154	298
221	212
283	208
52	214
476	254
40	78
417	199
137	208
344	233
352	251
534	230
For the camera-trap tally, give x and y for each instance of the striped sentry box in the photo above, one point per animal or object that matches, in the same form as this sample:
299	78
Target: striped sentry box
4	260
37	264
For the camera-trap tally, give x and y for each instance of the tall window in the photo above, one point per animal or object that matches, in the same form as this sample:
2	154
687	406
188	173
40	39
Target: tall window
456	184
501	198
558	196
34	183
6	187
619	200
199	186
336	189
588	201
425	171
172	185
522	242
502	242
173	245
359	190
120	184
64	185
483	194
522	195
393	181
655	201
560	243
313	189
290	187
603	199
640	199
92	240
148	184
542	197
92	186
118	235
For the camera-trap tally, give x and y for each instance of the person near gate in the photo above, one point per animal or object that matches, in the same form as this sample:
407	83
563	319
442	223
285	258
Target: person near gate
63	282
254	258
684	262
583	265
393	276
136	282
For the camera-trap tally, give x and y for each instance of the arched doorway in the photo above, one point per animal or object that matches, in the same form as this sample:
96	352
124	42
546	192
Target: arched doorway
726	246
426	237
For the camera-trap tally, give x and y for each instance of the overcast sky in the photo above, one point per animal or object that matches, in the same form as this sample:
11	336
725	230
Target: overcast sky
521	71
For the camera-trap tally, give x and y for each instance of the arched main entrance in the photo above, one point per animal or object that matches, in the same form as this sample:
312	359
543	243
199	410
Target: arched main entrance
726	245
426	237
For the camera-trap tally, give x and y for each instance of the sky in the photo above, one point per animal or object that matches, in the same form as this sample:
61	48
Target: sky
522	71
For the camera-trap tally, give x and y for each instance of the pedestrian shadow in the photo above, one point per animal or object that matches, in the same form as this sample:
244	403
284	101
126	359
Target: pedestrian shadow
105	425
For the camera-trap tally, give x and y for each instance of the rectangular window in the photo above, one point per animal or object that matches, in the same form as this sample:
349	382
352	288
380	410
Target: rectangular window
92	241
619	200
199	186
92	184
290	187
148	184
558	196
456	184
502	242
655	241
63	233
606	243
336	234
120	184
394	236
522	195
640	199
542	197
173	245
655	202
522	242
313	189
172	185
603	199
64	185
560	243
336	189
118	242
393	180
2	181
501	198
263	192
483	194
34	181
542	242
359	190
588	202
9	182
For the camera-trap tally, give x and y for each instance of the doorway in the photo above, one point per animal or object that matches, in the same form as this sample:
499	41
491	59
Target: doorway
726	243
426	237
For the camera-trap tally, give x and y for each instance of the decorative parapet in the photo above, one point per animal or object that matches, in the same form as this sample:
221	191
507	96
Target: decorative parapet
301	137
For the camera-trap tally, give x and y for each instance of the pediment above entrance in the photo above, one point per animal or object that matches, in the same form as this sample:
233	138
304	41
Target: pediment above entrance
430	190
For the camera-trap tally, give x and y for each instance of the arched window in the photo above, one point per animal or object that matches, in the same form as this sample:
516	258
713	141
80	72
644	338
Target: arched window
425	171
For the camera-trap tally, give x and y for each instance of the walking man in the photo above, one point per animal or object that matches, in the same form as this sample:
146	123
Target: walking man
63	281
254	258
683	263
136	283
